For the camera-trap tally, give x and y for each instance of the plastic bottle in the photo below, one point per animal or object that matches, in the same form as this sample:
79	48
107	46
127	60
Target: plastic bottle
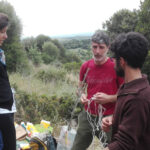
66	138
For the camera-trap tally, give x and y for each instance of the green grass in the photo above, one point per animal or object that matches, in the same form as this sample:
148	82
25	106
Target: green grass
31	84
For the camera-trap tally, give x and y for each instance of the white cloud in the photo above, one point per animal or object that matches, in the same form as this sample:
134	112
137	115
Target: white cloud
57	17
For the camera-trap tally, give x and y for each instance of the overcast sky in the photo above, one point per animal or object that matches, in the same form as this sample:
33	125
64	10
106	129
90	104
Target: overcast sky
62	17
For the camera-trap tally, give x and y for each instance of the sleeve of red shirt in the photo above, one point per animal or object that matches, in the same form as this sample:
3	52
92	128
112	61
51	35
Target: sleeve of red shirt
132	126
82	72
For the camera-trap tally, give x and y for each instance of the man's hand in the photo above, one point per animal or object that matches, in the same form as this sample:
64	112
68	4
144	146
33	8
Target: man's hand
106	148
84	99
106	123
102	98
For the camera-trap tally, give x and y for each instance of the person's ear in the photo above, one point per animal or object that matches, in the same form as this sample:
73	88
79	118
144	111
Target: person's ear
108	47
122	61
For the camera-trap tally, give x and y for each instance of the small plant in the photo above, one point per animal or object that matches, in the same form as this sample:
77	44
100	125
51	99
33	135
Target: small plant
72	66
51	74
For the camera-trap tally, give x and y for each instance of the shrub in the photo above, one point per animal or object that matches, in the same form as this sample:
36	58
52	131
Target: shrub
33	108
72	66
35	56
51	50
46	58
52	74
72	57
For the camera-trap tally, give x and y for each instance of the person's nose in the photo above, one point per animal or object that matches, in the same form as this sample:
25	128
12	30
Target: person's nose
98	51
5	35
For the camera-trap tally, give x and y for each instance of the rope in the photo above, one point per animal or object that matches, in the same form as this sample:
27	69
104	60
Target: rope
80	91
96	122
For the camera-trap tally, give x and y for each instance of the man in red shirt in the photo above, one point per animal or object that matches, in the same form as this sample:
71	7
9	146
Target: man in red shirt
130	123
102	85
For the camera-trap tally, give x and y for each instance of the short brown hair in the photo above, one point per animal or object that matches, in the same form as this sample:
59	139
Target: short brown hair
3	20
100	37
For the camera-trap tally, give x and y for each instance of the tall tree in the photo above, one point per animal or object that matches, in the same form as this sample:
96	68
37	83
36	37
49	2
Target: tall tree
143	27
28	43
146	66
16	58
40	40
122	21
50	52
60	47
144	19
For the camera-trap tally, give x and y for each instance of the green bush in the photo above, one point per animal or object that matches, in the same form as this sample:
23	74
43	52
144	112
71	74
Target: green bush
57	74
47	59
34	108
72	57
72	66
35	56
51	50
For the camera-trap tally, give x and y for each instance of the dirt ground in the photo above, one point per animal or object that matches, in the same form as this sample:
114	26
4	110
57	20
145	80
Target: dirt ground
95	145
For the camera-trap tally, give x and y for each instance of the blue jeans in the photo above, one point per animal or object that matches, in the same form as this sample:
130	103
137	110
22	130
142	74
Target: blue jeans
1	141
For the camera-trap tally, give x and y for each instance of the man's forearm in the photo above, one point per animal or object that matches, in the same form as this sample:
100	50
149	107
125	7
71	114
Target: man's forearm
112	98
106	148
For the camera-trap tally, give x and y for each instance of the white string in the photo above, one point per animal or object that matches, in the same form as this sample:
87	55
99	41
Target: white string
96	122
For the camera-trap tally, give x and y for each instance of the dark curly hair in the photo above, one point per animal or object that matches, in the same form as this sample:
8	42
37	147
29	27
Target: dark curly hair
132	46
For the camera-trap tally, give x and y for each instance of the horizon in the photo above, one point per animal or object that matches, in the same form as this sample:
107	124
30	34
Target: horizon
88	34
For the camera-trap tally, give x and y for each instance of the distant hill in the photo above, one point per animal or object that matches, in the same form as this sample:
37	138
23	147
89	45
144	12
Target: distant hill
79	36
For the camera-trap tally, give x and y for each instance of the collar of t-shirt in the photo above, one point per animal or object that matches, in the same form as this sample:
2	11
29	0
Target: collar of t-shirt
2	57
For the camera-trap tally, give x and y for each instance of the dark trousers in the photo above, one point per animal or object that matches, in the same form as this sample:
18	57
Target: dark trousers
7	129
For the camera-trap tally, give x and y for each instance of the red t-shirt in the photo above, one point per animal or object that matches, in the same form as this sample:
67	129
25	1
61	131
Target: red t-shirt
100	78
